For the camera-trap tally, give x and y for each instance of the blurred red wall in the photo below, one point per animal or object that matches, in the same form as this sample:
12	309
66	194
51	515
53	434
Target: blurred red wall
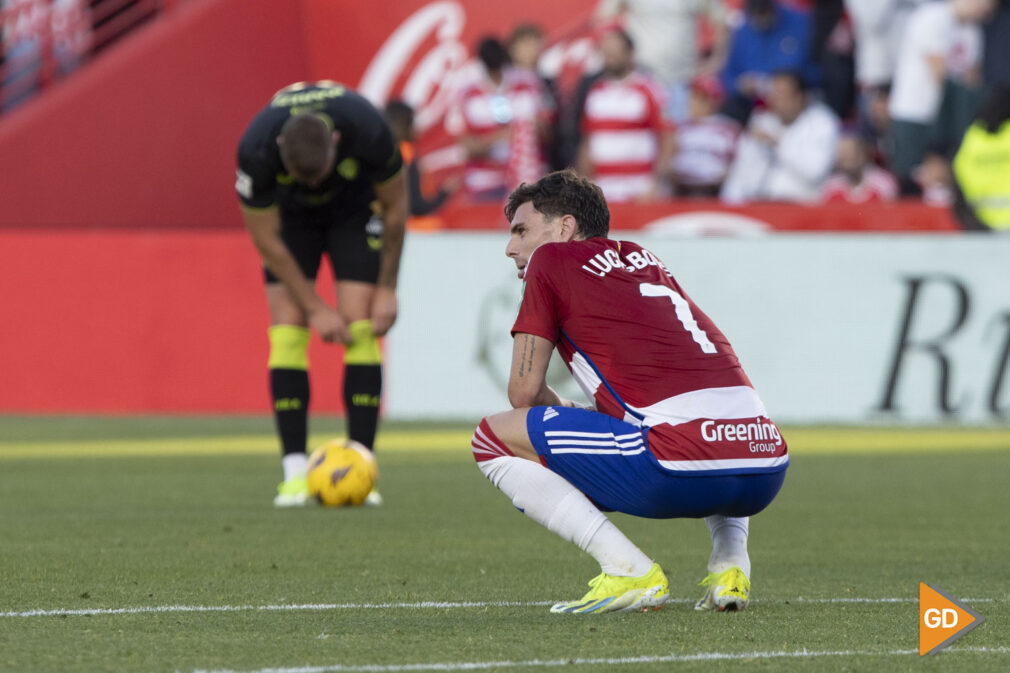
123	321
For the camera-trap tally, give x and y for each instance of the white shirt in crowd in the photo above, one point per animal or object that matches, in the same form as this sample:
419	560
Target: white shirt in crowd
791	169
878	25
932	30
665	33
966	52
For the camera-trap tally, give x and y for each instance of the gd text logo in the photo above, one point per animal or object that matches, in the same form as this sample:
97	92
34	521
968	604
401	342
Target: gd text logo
942	619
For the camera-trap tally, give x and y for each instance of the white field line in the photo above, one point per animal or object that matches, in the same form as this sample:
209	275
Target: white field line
422	605
617	661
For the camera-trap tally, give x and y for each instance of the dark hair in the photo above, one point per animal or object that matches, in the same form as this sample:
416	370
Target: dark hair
305	144
398	112
564	193
995	109
492	53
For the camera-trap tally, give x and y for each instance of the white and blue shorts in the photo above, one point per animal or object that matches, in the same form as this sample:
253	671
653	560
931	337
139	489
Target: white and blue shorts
609	460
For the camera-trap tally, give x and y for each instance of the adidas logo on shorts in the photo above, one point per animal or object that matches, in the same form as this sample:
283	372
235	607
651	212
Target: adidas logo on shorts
550	413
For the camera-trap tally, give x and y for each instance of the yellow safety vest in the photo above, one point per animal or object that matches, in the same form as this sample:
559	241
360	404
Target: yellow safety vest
982	169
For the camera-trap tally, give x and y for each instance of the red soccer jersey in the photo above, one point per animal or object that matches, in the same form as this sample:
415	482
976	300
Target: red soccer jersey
623	121
876	185
645	353
484	110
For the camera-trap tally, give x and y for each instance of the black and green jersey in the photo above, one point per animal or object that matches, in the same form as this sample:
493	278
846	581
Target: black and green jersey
366	153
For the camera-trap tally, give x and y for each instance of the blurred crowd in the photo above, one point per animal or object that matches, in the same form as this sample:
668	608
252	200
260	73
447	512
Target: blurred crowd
743	100
852	101
45	40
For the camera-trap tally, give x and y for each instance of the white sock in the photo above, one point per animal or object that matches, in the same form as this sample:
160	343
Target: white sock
295	465
550	500
729	543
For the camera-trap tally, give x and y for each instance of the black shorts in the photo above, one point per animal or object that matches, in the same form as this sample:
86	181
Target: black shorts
353	243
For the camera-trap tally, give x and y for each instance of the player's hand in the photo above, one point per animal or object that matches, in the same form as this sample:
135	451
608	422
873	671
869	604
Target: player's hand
383	312
330	326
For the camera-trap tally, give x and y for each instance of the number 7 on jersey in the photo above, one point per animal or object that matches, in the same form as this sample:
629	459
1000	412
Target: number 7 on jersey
683	310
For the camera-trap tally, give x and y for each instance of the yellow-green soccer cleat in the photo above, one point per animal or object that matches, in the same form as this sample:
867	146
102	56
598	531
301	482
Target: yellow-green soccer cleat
609	593
725	591
292	493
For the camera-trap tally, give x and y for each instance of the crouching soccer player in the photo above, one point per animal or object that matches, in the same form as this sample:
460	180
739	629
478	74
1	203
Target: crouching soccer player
676	428
316	167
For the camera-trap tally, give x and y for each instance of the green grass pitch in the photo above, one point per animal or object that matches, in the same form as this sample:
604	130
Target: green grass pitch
151	545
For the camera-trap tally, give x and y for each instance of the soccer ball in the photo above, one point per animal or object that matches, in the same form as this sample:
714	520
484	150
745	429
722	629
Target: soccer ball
341	472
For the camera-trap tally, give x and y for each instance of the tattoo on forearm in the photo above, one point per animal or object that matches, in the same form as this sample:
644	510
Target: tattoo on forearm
526	359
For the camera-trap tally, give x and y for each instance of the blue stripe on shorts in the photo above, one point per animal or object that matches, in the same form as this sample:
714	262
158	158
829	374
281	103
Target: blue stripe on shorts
609	460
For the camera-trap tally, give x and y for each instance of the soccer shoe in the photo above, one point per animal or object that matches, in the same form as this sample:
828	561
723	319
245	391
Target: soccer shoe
728	590
292	493
373	499
609	593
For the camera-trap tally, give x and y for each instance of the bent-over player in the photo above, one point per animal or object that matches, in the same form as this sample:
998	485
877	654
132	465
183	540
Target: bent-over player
318	171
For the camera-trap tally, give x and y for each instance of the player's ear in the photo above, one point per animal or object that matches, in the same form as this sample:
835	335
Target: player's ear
336	138
569	228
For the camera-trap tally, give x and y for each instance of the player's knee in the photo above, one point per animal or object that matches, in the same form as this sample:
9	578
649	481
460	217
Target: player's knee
364	347
486	445
289	347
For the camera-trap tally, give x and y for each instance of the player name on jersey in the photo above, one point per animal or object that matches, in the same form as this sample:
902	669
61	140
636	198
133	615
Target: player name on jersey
605	262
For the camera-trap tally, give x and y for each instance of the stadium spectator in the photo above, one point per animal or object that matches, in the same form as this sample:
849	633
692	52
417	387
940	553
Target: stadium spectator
934	179
400	117
772	38
570	120
497	115
857	179
677	382
666	41
39	40
833	45
874	120
25	28
704	143
982	166
525	44
996	52
627	139
307	181
485	116
962	91
786	152
878	26
71	34
938	34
